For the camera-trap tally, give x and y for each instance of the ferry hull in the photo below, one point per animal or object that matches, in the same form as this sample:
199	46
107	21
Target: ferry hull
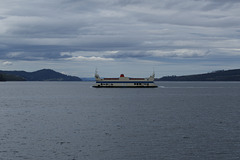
105	84
124	86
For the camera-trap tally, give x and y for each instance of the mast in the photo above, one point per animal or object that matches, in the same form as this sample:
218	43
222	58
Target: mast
97	77
151	78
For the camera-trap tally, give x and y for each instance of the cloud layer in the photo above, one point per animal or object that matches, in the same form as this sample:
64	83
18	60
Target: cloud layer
169	31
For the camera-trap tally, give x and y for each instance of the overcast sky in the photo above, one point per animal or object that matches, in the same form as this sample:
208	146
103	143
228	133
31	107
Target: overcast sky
174	37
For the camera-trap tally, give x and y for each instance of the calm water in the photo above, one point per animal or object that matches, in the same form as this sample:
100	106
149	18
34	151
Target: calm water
71	121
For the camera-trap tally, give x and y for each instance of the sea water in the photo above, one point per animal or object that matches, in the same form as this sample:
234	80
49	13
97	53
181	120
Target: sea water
72	121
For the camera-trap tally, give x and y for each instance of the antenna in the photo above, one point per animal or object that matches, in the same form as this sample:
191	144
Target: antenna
96	74
153	72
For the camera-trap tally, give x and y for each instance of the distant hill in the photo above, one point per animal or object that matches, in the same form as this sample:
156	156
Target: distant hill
222	75
41	75
9	77
88	79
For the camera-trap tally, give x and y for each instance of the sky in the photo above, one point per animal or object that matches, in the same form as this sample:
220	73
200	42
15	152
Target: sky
134	37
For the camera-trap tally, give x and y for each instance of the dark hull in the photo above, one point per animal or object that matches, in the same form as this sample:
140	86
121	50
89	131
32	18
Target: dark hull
124	86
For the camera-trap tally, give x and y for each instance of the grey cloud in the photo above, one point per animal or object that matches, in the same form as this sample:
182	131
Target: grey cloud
128	2
156	55
33	56
192	15
43	29
221	1
2	17
128	54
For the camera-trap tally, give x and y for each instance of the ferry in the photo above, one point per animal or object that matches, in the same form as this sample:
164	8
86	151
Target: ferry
124	82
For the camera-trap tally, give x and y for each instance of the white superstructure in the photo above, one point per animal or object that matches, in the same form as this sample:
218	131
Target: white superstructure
124	82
